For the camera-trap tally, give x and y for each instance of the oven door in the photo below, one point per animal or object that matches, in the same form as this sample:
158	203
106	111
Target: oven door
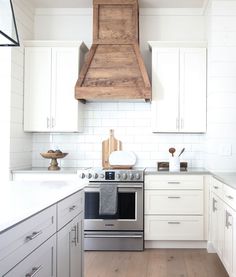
129	214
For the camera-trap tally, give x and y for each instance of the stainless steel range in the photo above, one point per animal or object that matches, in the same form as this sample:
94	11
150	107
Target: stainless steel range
121	227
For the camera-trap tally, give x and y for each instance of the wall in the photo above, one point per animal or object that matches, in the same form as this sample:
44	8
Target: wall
20	142
221	136
5	81
170	24
131	121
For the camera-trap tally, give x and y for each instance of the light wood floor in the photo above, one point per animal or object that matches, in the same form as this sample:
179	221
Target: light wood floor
154	263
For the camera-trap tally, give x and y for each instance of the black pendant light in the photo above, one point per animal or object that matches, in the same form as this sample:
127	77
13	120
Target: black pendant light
8	30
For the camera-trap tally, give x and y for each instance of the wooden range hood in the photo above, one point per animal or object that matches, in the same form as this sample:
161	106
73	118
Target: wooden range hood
114	68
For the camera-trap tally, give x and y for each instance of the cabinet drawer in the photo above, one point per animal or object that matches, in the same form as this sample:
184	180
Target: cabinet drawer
217	187
22	239
229	196
174	182
69	208
173	227
174	202
40	263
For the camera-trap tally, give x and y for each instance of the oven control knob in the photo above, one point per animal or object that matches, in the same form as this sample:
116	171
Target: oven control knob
137	176
131	176
102	175
82	175
118	175
95	175
124	176
89	175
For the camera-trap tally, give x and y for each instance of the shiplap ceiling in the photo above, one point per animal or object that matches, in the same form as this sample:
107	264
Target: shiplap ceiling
142	3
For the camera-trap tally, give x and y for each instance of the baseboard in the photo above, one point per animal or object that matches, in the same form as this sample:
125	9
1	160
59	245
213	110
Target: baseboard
175	244
210	247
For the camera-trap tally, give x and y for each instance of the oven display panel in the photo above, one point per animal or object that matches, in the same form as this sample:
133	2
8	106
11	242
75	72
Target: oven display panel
110	175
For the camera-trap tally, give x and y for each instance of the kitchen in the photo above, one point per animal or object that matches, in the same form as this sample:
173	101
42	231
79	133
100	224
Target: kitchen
180	23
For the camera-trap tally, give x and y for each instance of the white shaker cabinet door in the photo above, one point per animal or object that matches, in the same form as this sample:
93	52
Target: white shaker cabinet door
165	87
229	239
37	90
192	90
66	110
217	223
69	248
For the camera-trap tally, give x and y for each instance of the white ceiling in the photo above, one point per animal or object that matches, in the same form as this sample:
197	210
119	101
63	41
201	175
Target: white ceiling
142	3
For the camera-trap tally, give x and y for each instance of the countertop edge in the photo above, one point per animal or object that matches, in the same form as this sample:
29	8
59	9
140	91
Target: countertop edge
15	222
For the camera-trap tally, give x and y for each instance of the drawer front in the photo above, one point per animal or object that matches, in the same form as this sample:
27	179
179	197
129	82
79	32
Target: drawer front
173	228
174	182
69	208
174	202
22	239
229	196
217	187
40	263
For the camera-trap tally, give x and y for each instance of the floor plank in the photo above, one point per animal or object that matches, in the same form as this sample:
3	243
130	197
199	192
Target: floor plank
154	263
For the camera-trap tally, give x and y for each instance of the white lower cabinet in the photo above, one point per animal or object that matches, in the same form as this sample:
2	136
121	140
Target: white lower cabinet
174	207
69	249
229	237
217	221
223	225
173	227
40	263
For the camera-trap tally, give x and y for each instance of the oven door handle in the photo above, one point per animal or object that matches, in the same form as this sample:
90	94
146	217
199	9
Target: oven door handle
113	236
118	186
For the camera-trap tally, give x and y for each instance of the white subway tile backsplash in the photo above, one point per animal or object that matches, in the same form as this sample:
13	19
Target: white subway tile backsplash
223	38
109	106
222	84
93	106
221	130
225	8
223	24
222	69
123	106
222	54
21	143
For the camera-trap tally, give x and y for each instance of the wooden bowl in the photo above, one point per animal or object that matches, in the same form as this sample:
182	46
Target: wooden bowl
53	157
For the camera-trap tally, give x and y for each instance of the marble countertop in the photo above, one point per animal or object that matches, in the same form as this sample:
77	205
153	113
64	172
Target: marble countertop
190	171
20	200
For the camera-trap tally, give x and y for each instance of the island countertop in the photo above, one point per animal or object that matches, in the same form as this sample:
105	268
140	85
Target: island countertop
20	200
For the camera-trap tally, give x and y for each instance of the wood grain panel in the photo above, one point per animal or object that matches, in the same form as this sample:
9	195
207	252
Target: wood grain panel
116	20
112	93
114	65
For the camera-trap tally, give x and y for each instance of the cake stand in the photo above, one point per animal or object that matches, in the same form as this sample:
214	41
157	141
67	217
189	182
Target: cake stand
53	157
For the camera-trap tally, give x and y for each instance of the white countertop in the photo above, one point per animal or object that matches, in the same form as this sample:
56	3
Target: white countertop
189	171
228	178
22	199
63	170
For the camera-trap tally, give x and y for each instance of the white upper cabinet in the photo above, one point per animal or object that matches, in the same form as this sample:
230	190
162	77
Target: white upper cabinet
165	76
51	71
178	88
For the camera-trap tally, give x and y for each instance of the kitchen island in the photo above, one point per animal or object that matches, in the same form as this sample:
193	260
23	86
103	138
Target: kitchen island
41	228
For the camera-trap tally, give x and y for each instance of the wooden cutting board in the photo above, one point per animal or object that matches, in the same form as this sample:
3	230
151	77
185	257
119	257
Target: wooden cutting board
109	145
